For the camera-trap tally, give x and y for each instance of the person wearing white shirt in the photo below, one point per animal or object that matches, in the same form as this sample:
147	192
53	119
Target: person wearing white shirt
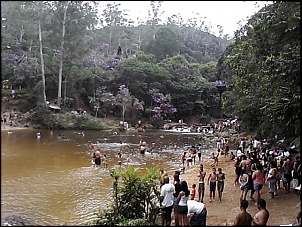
198	213
166	201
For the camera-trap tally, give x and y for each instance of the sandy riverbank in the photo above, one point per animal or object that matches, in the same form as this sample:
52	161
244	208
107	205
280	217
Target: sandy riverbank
283	208
12	128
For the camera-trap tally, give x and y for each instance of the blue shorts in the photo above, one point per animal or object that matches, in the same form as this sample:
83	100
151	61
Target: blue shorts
212	186
258	187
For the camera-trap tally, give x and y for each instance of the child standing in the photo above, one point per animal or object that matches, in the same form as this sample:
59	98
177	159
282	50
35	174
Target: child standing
193	192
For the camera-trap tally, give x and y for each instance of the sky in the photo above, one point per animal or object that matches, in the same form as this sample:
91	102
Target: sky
224	13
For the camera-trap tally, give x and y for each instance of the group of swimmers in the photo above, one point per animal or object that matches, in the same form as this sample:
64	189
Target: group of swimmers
143	147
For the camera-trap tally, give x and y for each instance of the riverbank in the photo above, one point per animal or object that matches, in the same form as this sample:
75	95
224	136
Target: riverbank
12	128
283	208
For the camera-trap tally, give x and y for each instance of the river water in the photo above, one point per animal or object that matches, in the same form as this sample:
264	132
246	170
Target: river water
53	182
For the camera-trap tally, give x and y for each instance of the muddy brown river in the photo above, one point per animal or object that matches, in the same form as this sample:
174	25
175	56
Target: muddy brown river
53	182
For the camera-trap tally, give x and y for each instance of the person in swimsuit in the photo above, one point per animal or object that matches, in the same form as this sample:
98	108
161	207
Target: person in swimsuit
238	170
220	183
201	187
215	157
212	181
193	192
258	179
97	158
119	159
243	218
244	185
104	160
288	167
262	216
193	152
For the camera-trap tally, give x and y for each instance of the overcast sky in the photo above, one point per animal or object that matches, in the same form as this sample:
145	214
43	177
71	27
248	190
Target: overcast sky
224	13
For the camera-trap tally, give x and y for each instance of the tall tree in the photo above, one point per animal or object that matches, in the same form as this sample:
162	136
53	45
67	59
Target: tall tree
65	7
265	61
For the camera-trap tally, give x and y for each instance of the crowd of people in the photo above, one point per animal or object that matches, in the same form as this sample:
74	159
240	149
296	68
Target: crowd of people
255	165
176	198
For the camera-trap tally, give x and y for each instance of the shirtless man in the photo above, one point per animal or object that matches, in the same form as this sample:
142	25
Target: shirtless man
243	218
201	188
212	182
215	157
244	162
288	167
193	152
220	183
262	216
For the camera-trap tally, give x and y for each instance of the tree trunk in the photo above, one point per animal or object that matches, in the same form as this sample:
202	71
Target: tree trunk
110	48
42	63
61	58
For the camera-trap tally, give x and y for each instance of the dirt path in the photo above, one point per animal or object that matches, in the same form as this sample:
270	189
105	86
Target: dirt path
283	208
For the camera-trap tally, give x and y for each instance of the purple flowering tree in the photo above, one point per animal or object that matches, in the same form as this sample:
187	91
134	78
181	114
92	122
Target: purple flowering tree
111	64
163	108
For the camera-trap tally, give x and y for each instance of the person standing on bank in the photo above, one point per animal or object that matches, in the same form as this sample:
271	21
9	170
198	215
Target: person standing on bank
201	183
262	216
166	201
220	183
243	218
178	189
182	205
258	180
212	182
199	212
272	179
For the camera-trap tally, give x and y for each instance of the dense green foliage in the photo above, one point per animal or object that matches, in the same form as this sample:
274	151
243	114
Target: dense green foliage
134	199
264	67
261	67
80	60
45	118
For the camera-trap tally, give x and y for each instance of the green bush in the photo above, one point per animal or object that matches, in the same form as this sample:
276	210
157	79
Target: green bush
89	124
43	118
134	199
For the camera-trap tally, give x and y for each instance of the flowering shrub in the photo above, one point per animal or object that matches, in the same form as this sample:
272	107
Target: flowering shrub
164	108
111	64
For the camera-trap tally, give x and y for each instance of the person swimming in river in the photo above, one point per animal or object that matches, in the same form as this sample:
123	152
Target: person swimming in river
119	159
62	137
143	147
96	158
153	146
104	161
38	135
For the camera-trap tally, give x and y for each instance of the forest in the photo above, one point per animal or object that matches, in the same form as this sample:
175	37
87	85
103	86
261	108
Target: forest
74	54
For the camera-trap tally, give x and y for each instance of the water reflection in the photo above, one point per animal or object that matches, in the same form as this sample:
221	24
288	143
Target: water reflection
52	180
